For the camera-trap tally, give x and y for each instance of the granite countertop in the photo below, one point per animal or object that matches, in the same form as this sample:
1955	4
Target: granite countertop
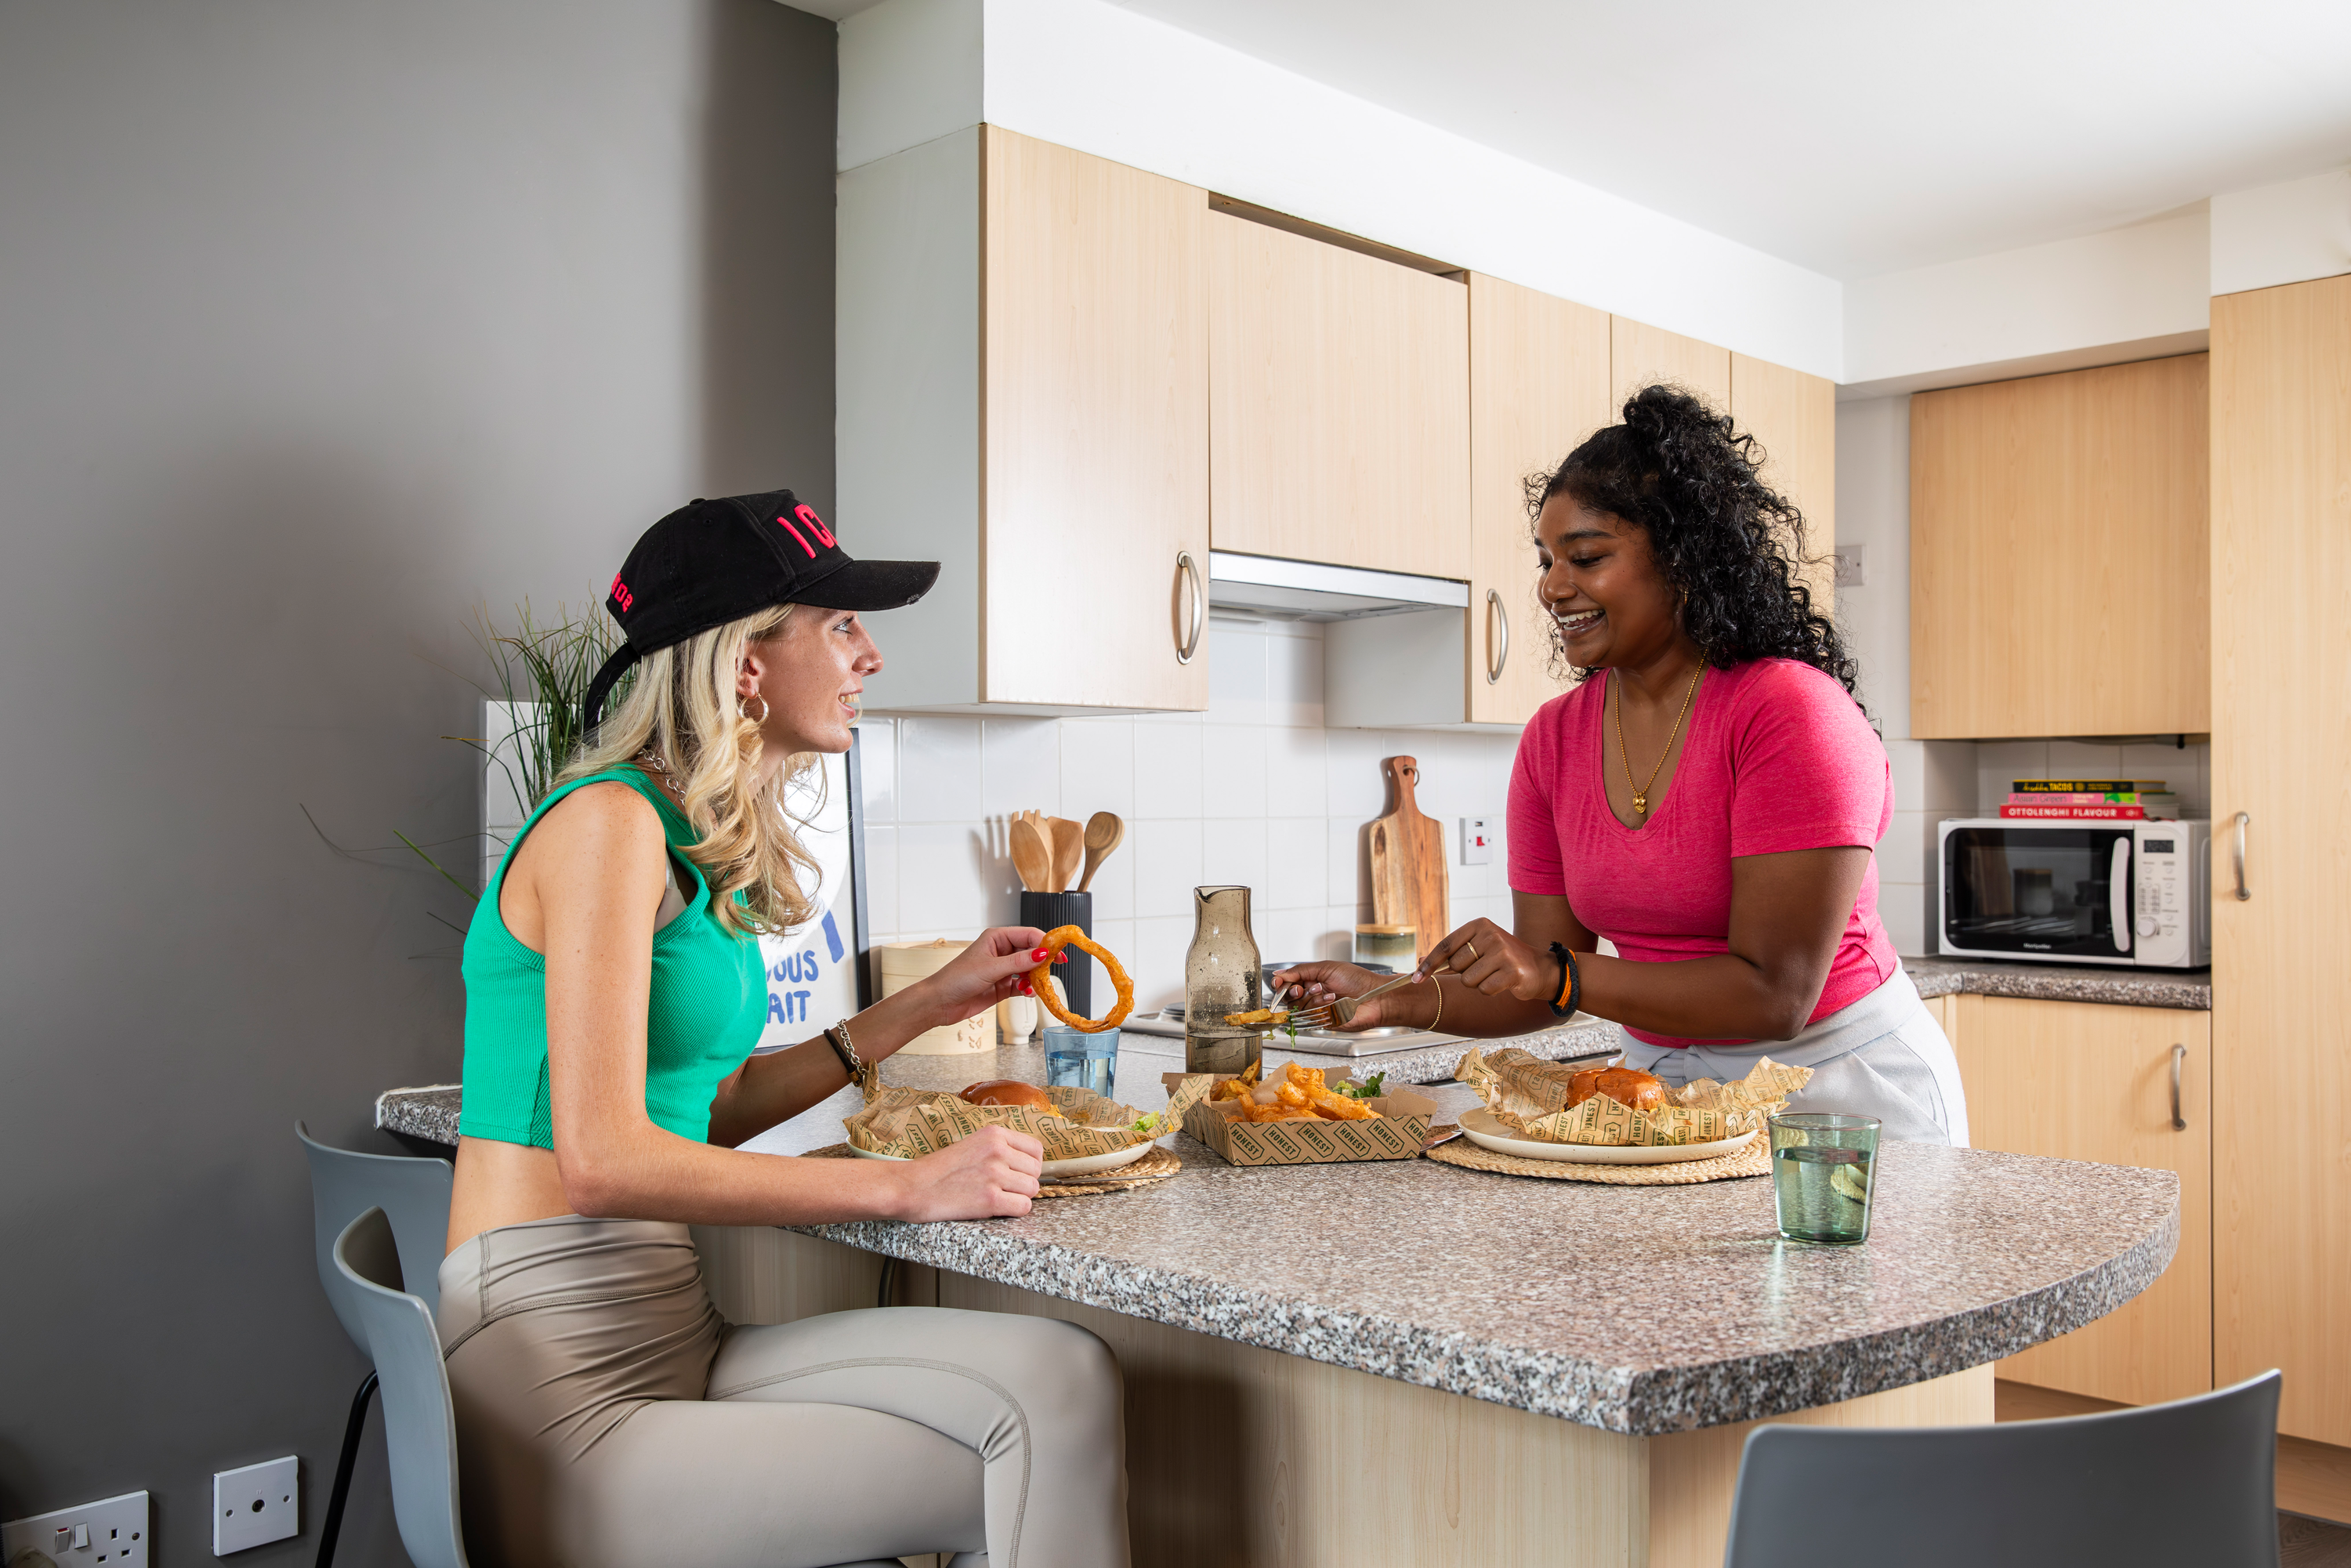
1637	1309
2117	986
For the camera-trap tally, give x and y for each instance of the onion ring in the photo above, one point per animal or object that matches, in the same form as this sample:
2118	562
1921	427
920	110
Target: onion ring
1041	979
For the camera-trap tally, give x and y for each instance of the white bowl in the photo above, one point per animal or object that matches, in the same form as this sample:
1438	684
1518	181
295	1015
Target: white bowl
1055	1170
1486	1130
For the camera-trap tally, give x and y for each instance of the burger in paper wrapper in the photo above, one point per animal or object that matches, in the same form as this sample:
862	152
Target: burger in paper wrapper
912	1122
1531	1095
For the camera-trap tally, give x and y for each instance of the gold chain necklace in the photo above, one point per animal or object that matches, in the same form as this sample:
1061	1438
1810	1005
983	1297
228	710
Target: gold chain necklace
1641	792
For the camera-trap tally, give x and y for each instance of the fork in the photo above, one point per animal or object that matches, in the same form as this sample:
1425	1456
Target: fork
1342	1009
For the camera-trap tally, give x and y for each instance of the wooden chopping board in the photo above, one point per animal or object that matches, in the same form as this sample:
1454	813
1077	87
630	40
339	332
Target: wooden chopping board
1409	862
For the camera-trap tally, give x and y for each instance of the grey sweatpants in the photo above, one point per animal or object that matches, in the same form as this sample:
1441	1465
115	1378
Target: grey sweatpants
606	1415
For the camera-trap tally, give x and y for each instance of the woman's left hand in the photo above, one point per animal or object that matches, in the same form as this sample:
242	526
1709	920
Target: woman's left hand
993	968
1493	961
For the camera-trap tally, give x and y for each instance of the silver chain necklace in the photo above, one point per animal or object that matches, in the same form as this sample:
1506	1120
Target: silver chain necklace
669	781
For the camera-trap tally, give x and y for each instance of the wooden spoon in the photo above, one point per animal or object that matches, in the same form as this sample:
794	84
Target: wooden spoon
1105	831
1030	857
1069	847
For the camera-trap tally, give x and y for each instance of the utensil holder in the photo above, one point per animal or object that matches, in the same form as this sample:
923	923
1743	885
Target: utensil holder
1047	910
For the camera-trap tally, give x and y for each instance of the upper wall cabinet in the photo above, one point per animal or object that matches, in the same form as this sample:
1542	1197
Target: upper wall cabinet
1338	403
1538	386
1640	356
2059	581
1793	416
1022	397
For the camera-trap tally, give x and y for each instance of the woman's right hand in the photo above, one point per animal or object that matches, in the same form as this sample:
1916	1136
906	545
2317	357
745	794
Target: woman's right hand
1322	983
993	1172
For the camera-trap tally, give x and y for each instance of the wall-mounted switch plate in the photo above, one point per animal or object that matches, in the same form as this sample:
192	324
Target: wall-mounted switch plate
1852	565
256	1505
113	1532
1476	840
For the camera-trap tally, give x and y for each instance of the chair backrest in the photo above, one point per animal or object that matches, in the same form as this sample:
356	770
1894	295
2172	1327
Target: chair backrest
2188	1484
420	1423
414	1192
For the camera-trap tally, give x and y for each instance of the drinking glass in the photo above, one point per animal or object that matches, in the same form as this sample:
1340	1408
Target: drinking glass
1823	1173
1077	1059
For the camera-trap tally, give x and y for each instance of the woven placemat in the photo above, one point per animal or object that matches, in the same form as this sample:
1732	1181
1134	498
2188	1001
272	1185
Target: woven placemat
1156	1166
1754	1160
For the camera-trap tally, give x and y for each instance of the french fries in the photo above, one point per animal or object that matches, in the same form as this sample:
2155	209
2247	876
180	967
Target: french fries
1302	1095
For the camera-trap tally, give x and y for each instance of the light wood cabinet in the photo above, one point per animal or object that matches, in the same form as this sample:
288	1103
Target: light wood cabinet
2280	572
1793	416
1538	386
2058	555
2081	1080
1338	403
1640	355
1022	397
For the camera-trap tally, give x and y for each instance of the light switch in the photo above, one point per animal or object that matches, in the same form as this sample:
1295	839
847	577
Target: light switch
1476	840
1852	565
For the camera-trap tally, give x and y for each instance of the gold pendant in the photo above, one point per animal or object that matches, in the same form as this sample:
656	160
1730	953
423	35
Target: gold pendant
1640	805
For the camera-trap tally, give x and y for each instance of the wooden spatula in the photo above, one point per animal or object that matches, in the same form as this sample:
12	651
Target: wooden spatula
1069	841
1408	862
1031	855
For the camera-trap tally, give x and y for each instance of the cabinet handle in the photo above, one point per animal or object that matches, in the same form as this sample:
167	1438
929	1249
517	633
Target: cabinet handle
1500	654
2178	1055
2236	855
1190	645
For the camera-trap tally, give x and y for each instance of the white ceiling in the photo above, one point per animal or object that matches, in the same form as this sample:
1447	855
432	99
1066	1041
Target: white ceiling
1853	137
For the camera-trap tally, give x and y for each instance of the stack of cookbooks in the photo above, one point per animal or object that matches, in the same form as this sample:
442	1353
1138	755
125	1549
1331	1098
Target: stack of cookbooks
2091	799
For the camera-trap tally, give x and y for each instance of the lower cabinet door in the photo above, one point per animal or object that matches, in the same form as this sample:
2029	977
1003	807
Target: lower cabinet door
2080	1081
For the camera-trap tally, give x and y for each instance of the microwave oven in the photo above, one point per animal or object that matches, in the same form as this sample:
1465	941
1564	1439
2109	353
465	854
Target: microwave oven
2066	892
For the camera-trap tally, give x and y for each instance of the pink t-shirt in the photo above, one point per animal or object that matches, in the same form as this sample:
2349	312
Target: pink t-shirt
1778	758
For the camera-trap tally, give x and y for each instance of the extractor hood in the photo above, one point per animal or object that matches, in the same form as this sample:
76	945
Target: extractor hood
1308	590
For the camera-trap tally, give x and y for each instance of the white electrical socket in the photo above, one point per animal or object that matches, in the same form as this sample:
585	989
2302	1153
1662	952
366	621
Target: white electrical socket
256	1505
1476	840
1852	561
113	1532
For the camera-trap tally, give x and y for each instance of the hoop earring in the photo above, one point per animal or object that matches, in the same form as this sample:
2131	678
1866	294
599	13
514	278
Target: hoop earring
742	712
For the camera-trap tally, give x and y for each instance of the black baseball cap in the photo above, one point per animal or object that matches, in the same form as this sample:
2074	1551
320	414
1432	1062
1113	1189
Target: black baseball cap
710	562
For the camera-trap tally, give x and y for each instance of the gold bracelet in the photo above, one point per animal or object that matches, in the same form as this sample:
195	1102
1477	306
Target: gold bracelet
1438	982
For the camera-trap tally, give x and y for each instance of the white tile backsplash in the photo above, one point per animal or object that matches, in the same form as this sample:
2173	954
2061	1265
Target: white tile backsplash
938	770
1233	770
1019	767
1098	766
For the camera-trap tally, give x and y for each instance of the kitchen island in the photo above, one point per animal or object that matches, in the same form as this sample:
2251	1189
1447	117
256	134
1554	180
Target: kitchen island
1410	1362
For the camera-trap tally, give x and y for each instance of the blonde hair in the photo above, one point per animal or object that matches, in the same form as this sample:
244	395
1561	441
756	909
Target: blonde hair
682	707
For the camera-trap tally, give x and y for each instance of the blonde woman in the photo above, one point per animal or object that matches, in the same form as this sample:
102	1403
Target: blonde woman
606	1415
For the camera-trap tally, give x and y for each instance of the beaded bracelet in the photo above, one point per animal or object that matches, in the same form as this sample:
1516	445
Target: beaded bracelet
1571	982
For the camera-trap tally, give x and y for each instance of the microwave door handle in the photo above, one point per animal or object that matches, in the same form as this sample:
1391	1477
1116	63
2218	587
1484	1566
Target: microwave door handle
2119	900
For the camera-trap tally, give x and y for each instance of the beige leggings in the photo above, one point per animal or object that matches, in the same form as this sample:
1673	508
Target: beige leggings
606	1415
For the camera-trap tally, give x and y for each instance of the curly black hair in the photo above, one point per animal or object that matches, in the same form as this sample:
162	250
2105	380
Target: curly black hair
1726	541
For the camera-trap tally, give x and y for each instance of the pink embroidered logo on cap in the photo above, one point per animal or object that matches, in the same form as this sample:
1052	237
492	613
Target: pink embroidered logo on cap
620	593
807	514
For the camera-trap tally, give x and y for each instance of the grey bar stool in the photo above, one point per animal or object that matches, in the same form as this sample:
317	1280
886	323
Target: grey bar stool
420	1420
414	1193
2183	1485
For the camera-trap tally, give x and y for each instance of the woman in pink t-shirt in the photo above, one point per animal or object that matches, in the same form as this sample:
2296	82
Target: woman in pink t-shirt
1705	798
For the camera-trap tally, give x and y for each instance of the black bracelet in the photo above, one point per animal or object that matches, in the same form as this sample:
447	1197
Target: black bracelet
1571	982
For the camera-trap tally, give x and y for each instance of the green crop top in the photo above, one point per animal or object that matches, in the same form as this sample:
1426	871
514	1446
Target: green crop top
707	1006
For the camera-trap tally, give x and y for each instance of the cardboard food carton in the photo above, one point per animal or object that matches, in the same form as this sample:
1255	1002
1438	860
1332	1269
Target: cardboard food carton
1398	1131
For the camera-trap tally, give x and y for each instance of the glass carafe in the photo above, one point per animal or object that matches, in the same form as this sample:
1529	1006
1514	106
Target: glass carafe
1220	977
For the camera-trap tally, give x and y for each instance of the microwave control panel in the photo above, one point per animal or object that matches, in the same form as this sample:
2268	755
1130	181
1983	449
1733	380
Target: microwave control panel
2164	894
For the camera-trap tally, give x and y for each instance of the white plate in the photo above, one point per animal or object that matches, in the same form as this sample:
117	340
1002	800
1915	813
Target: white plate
1055	1170
1487	1131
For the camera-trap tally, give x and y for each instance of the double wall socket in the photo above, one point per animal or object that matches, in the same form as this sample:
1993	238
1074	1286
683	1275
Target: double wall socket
256	1505
113	1532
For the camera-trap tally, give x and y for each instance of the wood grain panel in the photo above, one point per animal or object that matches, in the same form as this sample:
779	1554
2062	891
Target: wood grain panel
2058	555
1242	1456
2282	752
1693	1475
1096	447
1538	386
1639	355
1793	416
759	1274
1338	404
2083	1080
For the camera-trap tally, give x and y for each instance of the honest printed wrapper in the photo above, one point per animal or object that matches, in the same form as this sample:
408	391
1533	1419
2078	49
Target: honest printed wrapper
912	1122
1398	1133
1530	1094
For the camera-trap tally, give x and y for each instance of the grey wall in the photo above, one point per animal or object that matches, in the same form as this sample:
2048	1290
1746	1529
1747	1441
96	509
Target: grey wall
320	322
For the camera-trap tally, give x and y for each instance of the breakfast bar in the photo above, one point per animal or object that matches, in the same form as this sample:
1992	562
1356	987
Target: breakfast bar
1409	1363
